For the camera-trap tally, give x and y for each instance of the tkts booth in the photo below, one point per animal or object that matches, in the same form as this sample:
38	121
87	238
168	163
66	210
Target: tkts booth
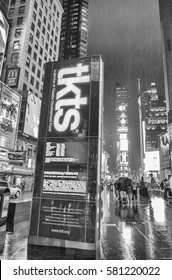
66	200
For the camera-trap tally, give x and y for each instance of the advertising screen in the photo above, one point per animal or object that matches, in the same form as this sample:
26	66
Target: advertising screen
164	151
69	154
10	102
32	115
3	37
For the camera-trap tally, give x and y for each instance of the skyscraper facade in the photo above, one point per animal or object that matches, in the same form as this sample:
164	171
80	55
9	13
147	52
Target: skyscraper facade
74	30
33	40
121	97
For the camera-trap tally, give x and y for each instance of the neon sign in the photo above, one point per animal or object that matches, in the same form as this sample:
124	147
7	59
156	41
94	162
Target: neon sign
70	118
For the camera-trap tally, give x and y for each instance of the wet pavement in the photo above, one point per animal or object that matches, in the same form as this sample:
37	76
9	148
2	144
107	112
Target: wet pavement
138	231
142	230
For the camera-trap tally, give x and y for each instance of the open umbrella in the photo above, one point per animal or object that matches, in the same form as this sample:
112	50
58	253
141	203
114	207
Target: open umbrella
124	181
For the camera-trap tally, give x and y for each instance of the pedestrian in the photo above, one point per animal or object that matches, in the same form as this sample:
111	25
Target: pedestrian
129	191
134	190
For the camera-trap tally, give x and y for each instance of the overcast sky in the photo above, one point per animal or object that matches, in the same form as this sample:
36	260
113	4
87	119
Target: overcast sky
127	35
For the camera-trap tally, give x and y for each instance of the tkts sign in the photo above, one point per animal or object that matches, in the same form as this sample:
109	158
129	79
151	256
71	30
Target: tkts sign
69	103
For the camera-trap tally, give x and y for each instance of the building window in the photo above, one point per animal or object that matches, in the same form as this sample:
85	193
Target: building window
37	85
11	12
22	1
33	67
19	20
48	26
55	48
36	45
35	56
42	4
42	40
24	86
16	45
32	80
45	57
50	51
40	13
39	23
55	39
43	30
38	73
32	26
46	11
31	38
29	50
18	32
21	9
35	5
14	58
45	20
37	34
41	51
34	15
27	62
26	74
52	33
46	46
48	37
40	62
13	2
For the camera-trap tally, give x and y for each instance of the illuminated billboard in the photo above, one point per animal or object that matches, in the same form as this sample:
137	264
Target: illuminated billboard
68	165
152	161
164	151
9	116
3	37
32	115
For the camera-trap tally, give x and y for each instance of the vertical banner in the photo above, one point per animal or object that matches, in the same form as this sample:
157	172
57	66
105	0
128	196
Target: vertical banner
65	208
10	103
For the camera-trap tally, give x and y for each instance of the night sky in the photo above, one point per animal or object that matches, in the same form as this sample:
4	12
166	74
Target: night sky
127	35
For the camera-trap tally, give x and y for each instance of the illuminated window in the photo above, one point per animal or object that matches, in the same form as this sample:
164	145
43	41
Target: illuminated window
16	45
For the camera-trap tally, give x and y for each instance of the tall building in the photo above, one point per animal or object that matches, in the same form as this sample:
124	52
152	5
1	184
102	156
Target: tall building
33	40
4	6
154	124
4	26
165	7
121	97
74	30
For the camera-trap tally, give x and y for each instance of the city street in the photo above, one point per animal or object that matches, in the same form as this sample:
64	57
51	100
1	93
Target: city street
142	230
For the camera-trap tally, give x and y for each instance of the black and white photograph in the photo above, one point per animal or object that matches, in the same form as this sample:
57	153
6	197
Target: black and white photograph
86	137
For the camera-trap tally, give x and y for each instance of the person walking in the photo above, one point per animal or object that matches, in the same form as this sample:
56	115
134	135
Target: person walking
134	191
129	192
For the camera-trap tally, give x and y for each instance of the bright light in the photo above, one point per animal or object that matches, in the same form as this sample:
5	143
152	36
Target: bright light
152	161
124	145
123	136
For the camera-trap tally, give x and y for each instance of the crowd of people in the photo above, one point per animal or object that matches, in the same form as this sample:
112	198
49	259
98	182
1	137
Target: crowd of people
127	190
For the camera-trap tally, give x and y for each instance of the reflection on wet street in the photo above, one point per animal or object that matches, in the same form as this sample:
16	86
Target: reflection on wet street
141	230
13	241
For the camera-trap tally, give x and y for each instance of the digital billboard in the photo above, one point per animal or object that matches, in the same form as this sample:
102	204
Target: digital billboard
164	151
3	37
68	165
10	102
32	115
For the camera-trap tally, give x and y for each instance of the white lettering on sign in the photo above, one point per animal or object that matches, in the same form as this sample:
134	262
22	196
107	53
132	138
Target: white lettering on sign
71	117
